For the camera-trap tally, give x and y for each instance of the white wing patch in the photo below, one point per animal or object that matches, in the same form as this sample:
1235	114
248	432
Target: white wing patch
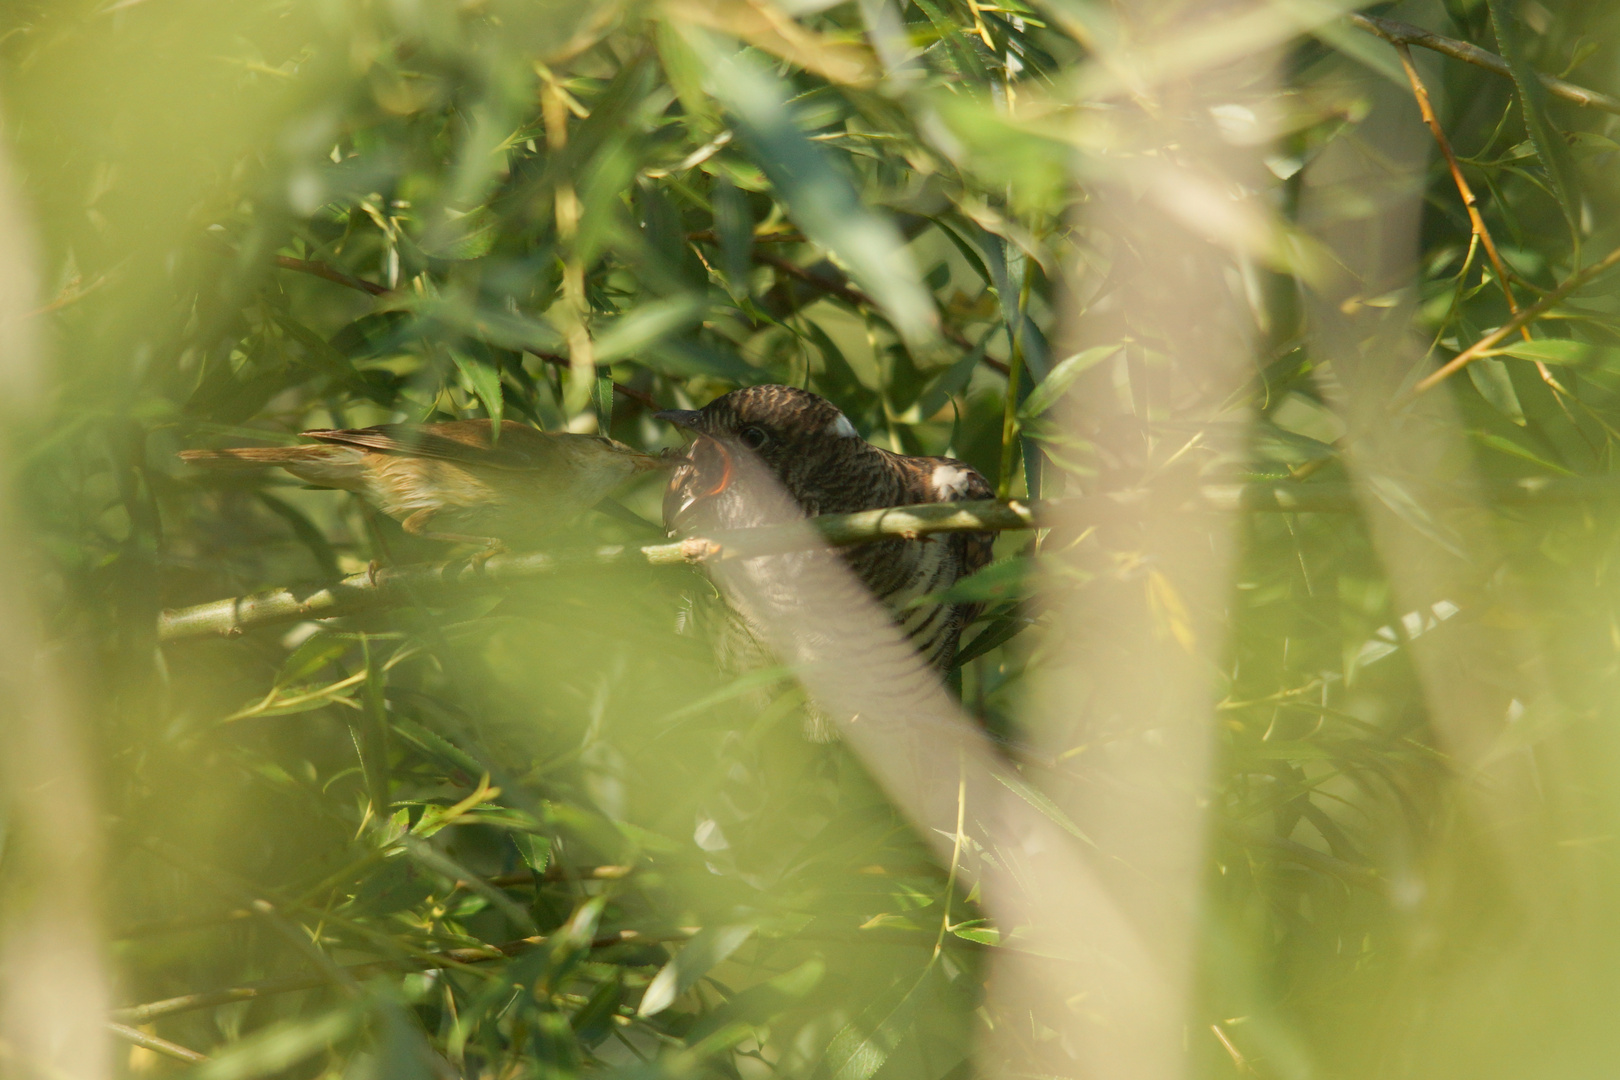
842	428
949	481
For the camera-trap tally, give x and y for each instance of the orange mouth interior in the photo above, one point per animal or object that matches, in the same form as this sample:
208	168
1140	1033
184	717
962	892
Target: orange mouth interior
725	470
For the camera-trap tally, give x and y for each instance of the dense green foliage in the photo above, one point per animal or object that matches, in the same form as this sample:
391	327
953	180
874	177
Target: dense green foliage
266	217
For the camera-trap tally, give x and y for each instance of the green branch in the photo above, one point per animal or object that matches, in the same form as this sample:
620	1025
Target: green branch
406	585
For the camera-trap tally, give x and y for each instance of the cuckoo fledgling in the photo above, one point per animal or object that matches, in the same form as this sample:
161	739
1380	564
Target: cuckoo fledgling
450	481
804	443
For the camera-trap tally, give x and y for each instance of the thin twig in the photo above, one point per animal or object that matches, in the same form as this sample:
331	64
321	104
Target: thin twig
1470	200
407	585
831	286
1476	220
709	236
330	273
1399	33
1523	318
155	1044
641	396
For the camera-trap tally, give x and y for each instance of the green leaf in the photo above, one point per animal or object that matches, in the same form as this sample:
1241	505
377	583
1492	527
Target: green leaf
1363	49
602	399
648	325
984	935
534	849
1039	800
819	196
708	948
1008	579
734	226
993	636
837	379
1063	376
507	329
1562	351
436	746
1550	145
852	1055
1491	379
318	650
470	236
278	1047
684	358
484	379
1508	446
593	1022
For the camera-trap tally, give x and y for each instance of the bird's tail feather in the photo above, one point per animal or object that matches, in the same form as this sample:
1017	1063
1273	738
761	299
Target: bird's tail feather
323	466
251	457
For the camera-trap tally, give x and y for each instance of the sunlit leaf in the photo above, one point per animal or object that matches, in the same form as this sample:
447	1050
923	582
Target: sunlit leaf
1062	377
696	959
279	1046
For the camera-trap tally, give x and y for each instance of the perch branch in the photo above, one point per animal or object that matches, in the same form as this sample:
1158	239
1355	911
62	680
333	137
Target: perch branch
398	587
1400	33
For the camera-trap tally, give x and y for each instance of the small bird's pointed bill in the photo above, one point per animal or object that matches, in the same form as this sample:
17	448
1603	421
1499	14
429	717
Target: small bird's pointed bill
681	418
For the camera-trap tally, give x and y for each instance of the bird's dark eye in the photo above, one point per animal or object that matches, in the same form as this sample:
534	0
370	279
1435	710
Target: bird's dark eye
752	437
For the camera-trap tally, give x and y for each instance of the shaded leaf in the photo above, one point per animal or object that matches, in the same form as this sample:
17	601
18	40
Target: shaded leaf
819	195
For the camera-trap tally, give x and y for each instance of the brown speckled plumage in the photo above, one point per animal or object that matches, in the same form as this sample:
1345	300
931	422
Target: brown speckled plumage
453	481
808	445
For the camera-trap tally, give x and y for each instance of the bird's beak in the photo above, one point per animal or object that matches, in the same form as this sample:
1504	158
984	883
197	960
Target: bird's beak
681	418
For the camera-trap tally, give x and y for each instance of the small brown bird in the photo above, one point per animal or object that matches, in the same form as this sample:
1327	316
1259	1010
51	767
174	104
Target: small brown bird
450	481
810	448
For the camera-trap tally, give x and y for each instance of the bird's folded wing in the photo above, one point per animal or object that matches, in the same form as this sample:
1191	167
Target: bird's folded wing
464	442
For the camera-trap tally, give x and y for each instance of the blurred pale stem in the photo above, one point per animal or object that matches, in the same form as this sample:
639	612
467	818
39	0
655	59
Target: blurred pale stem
1472	673
581	350
1131	674
53	987
940	769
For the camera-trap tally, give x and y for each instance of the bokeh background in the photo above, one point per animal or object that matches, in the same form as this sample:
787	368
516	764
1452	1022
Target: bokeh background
1319	671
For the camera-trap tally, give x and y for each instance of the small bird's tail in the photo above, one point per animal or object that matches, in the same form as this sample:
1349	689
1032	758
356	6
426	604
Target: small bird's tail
323	466
251	457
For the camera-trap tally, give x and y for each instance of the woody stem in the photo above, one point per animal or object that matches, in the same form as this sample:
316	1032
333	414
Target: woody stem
404	586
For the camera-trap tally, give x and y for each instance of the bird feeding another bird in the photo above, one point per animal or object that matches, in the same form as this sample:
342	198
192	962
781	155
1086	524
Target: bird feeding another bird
454	481
755	442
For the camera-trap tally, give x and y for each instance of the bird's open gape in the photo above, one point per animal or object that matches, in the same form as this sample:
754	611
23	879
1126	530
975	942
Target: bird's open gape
727	464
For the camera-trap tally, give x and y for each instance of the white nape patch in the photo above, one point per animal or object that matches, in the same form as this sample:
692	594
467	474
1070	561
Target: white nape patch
949	481
842	428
